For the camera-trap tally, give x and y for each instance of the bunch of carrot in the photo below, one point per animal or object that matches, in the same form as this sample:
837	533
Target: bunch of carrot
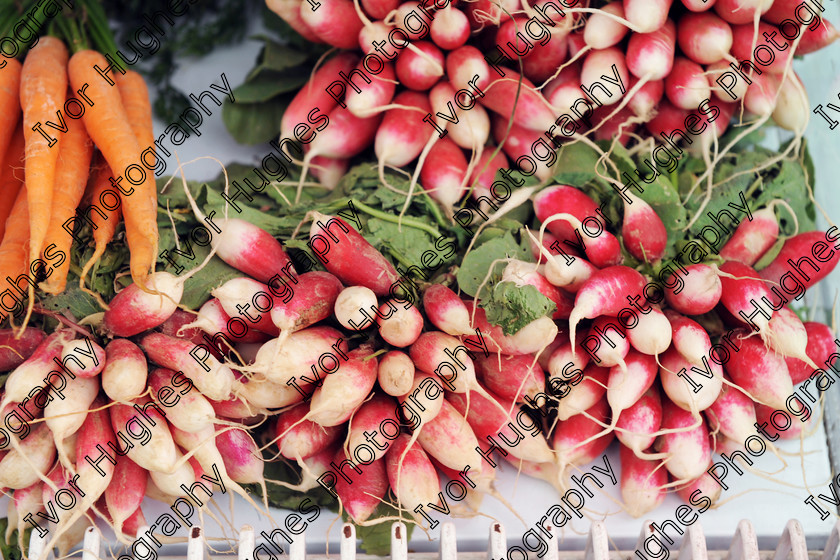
67	136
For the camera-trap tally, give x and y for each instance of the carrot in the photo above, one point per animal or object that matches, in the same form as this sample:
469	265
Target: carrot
43	85
13	258
104	224
9	104
11	178
71	175
108	125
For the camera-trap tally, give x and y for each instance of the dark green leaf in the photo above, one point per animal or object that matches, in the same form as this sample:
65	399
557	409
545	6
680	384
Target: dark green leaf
269	84
78	303
575	164
512	307
477	264
255	123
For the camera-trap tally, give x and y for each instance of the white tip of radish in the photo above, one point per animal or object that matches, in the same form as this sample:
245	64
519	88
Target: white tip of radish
355	306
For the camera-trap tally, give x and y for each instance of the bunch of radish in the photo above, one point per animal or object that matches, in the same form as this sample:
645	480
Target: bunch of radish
464	88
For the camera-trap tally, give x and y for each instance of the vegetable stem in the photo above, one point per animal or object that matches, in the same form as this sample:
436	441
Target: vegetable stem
410	222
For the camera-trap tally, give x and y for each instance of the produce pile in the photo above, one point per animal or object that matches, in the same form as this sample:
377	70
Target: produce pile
392	320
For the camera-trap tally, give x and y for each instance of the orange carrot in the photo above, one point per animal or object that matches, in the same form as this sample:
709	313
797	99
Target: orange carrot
109	127
9	103
71	176
14	259
43	85
11	178
104	224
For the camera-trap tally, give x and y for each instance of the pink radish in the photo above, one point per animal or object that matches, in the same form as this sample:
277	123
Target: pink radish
606	342
211	377
651	334
449	439
179	325
690	338
687	86
533	337
600	295
732	414
32	458
234	408
213	319
317	95
698	6
608	62
124	376
642	483
445	356
691	386
346	135
258	391
512	378
241	456
667	119
515	432
159	452
411	475
367	100
696	291
88	358
396	373
522	273
445	310
585	394
30	374
379	9
772	422
576	43
644	101
748	47
821	349
562	91
741	11
759	371
516	141
399	325
565	368
531	110
248	301
14	349
352	259
638	422
609	126
546	58
704	37
602	248
724	87
484	173
181	478
27	501
133	310
420	71
651	55
336	23
368	428
567	273
752	238
251	250
792	106
602	31
65	416
741	295
568	436
187	409
126	491
304	353
642	230
624	388
290	11
313	300
647	16
444	172
468	128
329	171
788	336
489	13
688	448
510	38
422	402
467	69
402	134
797	250
704	490
343	392
450	29
363	494
760	98
353	307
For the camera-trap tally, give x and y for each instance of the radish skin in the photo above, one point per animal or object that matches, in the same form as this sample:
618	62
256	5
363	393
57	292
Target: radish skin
446	311
689	451
752	238
642	230
585	394
681	379
642	483
16	347
638	422
187	409
396	373
647	15
133	310
652	334
651	55
695	292
759	371
343	392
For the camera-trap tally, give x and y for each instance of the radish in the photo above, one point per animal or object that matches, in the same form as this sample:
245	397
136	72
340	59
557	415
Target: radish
367	101
158	453
642	483
768	419
446	311
643	103
444	172
27	501
14	349
399	325
235	408
585	394
704	37
651	55
329	171
704	486
379	9
352	305
446	357
450	29
691	386
742	11
732	414
821	349
251	250
523	273
626	387
569	435
688	448
368	428
449	439
177	481
423	401
396	373
241	456
742	293
134	310
126	491
698	290
346	136
259	392
517	141
187	409
607	62
124	376
758	49
638	423
565	367
792	106
30	374
467	69
483	174
402	135
29	461
336	23
510	39
726	87
313	301
343	392
513	378
290	10
469	127
521	438
411	475
179	324
66	415
760	98
314	351
788	336
752	238
602	31
419	71
490	12
610	343
88	358
760	372
529	109
248	301
361	496
564	90
213	319
353	260
690	338
569	274
546	58
600	294
793	257
651	334
642	230
687	86
698	6
531	338
211	377
647	16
